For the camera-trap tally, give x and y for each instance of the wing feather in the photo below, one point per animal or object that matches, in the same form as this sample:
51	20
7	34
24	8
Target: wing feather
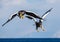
46	13
30	17
13	16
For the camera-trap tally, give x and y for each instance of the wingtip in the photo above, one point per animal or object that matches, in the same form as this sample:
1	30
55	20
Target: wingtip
2	25
51	8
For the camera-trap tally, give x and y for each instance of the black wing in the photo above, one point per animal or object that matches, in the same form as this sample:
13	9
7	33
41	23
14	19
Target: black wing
10	19
33	15
29	17
46	13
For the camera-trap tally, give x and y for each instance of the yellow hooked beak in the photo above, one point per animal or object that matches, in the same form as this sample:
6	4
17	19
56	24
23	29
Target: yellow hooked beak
21	16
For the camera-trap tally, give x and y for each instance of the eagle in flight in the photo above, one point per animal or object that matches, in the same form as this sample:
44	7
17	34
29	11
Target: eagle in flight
31	16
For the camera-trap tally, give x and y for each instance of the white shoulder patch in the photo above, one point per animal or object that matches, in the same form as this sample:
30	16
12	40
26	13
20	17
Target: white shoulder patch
45	15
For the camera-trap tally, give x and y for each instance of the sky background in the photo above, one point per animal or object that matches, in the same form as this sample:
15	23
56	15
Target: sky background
23	28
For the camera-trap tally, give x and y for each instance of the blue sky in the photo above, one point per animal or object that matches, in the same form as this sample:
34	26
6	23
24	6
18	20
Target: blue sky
23	28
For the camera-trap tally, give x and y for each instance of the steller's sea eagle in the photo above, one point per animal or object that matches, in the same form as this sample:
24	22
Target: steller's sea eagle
21	14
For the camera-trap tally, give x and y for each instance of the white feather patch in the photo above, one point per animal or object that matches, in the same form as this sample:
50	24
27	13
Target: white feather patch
45	15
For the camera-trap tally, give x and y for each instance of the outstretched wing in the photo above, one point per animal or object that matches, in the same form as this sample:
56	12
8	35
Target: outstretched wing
10	19
30	17
46	13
